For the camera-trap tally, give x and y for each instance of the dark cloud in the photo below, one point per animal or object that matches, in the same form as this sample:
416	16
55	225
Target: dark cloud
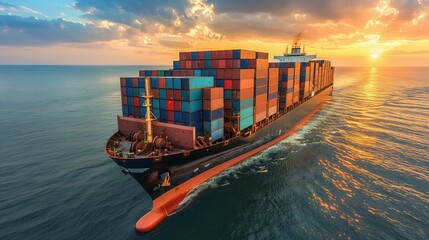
32	31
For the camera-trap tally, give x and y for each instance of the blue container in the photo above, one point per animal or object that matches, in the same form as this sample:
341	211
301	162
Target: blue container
141	101
135	92
283	100
130	100
244	113
156	113
141	83
194	55
130	110
197	72
125	110
284	78
168	73
272	95
163	104
192	95
162	94
155	103
129	91
236	54
129	82
205	72
244	63
176	65
177	83
282	65
207	55
148	73
228	94
212	115
142	112
169	83
220	83
189	118
216	124
247	122
141	91
212	73
218	134
238	105
207	64
178	117
154	82
163	115
192	106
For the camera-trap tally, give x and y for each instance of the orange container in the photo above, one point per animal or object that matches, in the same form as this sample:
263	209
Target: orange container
213	104
212	93
243	73
261	99
242	84
261	63
161	82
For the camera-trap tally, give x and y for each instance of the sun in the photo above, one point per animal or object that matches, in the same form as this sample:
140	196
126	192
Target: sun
374	55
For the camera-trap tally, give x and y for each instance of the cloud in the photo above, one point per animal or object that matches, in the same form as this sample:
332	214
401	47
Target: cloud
33	31
19	9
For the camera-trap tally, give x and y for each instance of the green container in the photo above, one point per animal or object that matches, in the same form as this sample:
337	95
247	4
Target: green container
246	122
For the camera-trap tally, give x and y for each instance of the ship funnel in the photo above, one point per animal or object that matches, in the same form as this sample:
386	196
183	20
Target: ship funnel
148	96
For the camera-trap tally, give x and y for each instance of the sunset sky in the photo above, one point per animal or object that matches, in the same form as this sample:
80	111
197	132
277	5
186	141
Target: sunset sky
350	33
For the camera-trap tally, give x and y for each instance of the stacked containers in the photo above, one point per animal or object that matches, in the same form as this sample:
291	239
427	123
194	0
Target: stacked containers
273	85
132	89
285	83
304	81
233	70
213	113
261	87
296	81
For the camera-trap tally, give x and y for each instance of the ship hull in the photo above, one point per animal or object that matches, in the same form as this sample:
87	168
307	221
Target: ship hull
190	169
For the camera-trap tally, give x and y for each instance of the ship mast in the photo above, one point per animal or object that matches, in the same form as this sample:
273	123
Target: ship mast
148	105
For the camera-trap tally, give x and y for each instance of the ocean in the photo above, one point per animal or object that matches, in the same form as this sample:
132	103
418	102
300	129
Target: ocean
359	169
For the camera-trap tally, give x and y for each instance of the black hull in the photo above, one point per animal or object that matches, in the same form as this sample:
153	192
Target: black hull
187	165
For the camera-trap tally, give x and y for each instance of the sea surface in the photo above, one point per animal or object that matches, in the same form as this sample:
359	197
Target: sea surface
359	169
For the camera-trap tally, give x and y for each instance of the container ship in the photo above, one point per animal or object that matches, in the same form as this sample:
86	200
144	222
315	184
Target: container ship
183	126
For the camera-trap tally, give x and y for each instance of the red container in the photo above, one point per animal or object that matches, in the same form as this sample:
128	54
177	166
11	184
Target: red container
170	116
141	73
194	64
170	105
228	73
137	112
213	104
182	64
242	94
261	82
221	63
123	82
178	106
228	54
227	84
177	95
252	63
214	63
189	72
215	54
228	63
161	82
236	63
123	91
228	104
136	102
182	56
170	94
182	73
124	100
200	63
262	55
154	73
135	82
176	73
220	73
155	93
188	64
200	55
222	54
212	93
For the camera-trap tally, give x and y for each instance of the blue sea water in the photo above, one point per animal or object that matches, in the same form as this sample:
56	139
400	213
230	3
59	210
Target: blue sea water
359	169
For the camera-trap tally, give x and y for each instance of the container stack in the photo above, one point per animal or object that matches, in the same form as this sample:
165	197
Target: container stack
273	86
261	87
296	82
213	113
286	83
236	72
132	102
304	81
